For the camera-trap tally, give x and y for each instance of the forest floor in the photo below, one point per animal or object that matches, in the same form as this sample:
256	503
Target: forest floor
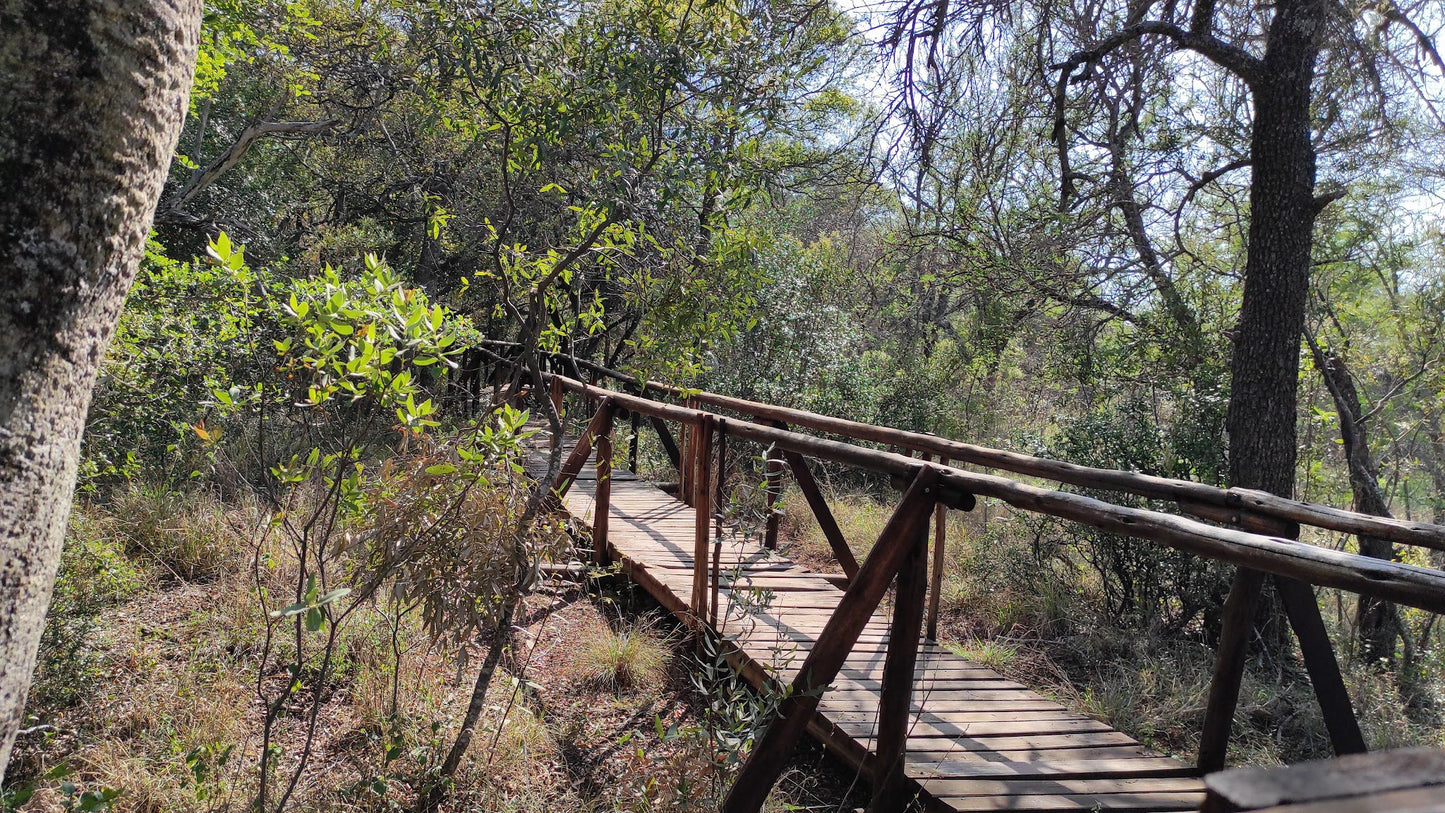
147	684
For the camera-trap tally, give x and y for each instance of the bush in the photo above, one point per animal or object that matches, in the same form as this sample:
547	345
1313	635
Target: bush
1139	583
94	574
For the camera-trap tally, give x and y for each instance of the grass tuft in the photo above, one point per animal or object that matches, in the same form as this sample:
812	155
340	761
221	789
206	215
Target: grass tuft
634	657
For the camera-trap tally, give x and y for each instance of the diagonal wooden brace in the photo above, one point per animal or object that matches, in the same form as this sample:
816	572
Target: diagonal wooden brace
809	486
1303	610
582	450
896	544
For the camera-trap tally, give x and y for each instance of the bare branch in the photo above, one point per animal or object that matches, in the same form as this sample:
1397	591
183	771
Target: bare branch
171	208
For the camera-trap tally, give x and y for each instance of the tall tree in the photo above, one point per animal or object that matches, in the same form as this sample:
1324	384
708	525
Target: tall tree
92	97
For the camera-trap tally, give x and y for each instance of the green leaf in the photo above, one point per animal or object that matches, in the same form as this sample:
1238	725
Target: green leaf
440	469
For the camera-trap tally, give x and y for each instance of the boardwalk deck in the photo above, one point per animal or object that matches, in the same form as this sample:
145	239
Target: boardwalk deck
976	742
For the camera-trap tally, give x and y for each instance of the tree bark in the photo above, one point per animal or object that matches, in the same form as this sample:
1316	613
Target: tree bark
1377	622
1261	417
93	94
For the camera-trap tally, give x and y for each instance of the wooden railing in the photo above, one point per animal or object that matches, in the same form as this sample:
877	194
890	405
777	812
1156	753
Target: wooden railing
1262	543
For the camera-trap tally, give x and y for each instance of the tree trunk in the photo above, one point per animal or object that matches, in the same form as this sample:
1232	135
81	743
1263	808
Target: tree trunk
92	97
1378	622
1261	418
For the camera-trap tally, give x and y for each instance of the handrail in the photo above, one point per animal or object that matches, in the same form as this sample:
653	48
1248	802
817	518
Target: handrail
898	556
1235	505
1392	581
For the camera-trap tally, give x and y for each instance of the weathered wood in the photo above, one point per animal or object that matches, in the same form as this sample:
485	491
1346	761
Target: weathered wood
602	510
935	583
821	512
582	450
669	444
891	789
771	752
1328	779
700	482
1160	488
1303	610
1229	659
1258	502
954	734
554	391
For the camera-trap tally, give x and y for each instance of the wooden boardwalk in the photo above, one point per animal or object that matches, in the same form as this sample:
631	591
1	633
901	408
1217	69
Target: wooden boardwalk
977	741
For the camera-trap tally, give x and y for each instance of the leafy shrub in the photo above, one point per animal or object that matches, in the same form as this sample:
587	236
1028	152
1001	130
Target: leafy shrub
94	575
1139	582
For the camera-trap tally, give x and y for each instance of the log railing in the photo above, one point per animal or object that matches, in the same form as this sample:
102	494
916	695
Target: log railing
1263	545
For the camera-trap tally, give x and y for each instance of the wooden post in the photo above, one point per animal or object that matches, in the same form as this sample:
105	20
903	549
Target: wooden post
602	502
720	473
890	784
632	442
935	584
688	465
819	504
897	541
702	513
718	503
1238	625
773	474
555	390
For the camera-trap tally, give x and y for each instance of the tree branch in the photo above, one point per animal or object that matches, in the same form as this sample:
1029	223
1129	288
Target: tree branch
170	211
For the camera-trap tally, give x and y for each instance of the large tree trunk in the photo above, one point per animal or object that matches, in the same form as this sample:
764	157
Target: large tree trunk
1261	418
92	97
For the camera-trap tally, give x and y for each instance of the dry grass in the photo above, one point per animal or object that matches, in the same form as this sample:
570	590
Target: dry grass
634	657
188	537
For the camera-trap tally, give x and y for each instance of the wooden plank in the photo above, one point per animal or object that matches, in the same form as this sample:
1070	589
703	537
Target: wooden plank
1414	800
1179	800
964	722
1052	785
1319	780
1056	769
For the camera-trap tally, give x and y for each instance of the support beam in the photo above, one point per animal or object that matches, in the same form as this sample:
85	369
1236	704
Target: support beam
809	486
897	541
700	483
602	502
891	789
1238	625
582	450
935	584
669	445
1303	610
